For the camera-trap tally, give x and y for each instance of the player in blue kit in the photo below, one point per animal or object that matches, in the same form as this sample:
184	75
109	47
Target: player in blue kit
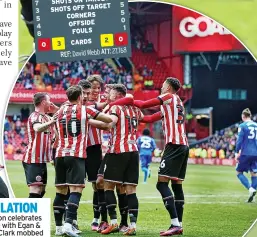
246	153
146	146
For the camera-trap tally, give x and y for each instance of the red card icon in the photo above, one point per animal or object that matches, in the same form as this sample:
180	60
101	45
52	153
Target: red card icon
44	44
121	39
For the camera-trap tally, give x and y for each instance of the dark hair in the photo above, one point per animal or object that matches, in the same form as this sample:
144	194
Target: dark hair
120	88
247	113
110	86
146	132
174	83
84	84
39	97
95	77
74	92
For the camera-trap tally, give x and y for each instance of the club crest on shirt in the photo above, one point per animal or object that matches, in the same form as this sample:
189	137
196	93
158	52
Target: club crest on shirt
38	178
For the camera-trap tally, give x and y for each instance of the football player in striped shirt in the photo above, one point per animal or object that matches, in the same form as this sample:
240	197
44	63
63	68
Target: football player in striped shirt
94	155
174	160
122	160
39	150
120	190
94	152
72	126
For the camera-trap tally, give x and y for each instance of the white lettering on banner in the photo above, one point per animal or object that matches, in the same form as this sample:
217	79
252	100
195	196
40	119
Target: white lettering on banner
30	95
190	27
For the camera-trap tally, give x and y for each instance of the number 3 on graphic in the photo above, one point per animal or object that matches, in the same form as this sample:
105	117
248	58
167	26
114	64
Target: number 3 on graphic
253	133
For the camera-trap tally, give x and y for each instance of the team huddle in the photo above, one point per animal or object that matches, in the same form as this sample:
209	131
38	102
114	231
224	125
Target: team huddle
71	139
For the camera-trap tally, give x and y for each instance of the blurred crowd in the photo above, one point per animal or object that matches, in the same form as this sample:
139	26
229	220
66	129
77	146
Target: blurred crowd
15	136
61	75
220	145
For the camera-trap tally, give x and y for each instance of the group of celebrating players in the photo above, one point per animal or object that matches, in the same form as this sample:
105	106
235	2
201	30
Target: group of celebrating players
71	137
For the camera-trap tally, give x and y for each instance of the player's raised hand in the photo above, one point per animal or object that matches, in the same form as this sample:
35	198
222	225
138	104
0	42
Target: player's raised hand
129	96
53	108
55	117
52	162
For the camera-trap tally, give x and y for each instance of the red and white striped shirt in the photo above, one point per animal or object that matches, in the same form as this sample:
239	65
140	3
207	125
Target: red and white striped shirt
39	148
94	134
123	134
72	127
173	124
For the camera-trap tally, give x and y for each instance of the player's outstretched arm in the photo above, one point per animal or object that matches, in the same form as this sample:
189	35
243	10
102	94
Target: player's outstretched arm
148	103
99	124
152	118
41	127
166	98
103	117
122	101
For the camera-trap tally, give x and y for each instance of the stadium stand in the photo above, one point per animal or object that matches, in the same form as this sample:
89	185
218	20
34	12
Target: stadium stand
59	76
220	145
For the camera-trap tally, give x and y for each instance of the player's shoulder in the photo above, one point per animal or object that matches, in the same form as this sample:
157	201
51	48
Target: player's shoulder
254	123
166	95
33	116
135	108
241	125
90	103
166	98
117	107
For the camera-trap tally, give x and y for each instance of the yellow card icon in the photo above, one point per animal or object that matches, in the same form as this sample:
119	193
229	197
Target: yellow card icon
106	40
58	43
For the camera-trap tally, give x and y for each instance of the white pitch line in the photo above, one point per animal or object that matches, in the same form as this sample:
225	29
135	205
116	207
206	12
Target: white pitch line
90	202
250	228
196	196
187	196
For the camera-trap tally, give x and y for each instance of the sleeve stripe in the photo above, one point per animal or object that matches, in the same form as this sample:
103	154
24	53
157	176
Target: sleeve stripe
114	114
94	117
160	99
35	122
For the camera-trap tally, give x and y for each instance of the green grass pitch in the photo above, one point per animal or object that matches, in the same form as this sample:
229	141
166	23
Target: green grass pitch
215	203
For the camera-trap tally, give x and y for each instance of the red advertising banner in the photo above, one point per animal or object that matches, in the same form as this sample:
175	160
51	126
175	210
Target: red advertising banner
192	32
199	161
26	96
206	161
